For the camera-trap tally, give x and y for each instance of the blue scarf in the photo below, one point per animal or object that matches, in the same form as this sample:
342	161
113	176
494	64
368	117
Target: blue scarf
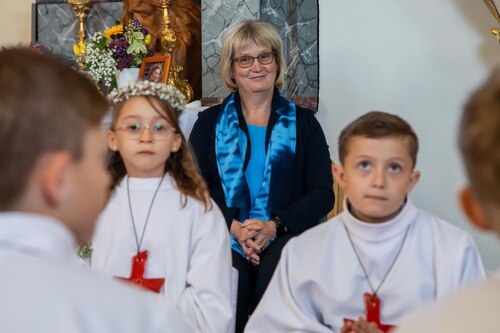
230	149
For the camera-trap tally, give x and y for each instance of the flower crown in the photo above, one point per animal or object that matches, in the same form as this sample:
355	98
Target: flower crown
166	93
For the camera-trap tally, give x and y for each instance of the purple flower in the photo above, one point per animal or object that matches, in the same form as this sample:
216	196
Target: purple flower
125	62
39	47
144	31
118	47
137	23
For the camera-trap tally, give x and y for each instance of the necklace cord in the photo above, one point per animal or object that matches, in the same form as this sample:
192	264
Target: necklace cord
375	291
137	241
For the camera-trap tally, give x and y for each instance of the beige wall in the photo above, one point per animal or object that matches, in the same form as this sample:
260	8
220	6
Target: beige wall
15	21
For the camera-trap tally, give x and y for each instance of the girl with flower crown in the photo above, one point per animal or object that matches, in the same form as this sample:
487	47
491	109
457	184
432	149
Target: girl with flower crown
154	230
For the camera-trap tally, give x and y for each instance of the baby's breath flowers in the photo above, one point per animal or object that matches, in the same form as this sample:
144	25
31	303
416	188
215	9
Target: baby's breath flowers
164	92
99	63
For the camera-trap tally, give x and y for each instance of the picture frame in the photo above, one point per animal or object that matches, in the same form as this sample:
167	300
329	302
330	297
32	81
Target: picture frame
155	69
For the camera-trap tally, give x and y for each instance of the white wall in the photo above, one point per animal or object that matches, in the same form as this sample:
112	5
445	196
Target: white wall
15	21
417	59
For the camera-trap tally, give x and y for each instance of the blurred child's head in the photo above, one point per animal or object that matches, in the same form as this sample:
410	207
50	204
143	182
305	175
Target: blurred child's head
378	153
479	140
145	138
51	144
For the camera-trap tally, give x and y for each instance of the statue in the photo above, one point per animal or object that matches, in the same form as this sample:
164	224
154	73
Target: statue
185	17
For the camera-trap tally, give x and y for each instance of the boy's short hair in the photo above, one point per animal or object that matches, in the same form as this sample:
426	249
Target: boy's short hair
376	125
479	141
45	106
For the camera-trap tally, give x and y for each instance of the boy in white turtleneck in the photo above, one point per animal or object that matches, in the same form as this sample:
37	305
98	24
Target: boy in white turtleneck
378	260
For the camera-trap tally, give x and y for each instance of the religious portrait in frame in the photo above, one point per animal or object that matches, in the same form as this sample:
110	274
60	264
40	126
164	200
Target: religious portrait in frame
155	69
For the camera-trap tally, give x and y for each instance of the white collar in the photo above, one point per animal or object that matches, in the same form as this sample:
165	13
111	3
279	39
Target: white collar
36	235
380	231
147	183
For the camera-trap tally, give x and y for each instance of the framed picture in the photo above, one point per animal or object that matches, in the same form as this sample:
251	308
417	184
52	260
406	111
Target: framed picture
155	69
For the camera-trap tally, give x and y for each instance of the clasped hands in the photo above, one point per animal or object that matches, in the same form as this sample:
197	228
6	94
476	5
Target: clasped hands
253	236
360	326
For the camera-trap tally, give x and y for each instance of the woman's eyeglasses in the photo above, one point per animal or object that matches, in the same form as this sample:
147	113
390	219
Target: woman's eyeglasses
247	61
159	131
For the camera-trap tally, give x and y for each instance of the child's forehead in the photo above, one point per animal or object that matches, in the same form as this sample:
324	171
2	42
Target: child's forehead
396	146
141	107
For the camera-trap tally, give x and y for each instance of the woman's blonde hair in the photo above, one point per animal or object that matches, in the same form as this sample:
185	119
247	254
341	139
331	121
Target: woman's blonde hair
239	36
181	164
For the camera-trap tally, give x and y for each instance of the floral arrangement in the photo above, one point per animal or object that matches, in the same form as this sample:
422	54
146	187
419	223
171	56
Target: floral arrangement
164	92
118	47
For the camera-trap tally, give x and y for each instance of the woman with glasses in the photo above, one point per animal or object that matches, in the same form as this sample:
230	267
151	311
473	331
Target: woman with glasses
265	159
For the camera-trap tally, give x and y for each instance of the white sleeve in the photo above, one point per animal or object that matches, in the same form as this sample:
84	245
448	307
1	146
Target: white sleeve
472	267
207	297
281	308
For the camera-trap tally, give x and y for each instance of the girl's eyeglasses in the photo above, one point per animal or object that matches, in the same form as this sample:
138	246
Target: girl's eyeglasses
159	132
247	61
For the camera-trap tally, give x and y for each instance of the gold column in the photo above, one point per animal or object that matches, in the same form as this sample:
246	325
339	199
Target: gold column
168	40
82	9
494	11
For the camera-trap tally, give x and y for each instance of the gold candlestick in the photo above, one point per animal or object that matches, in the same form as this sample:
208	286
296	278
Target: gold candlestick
168	40
494	11
82	9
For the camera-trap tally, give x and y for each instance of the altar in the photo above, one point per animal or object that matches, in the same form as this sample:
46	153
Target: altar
55	26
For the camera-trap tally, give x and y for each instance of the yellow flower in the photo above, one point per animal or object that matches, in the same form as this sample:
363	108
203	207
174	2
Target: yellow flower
147	39
79	49
117	29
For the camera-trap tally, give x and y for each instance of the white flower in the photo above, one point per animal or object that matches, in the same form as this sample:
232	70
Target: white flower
99	64
166	93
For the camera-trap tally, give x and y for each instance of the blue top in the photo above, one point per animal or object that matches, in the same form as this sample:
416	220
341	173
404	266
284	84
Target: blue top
255	168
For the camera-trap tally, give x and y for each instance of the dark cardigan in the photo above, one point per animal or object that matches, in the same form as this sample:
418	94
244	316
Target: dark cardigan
306	198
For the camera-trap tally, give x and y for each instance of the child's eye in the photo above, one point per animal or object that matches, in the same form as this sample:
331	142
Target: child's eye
364	165
159	128
134	127
394	167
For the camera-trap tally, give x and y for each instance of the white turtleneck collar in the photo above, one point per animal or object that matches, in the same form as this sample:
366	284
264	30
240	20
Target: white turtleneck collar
380	231
36	235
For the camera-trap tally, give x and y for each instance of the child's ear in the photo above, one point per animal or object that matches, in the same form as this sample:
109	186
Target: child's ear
176	144
338	174
473	209
53	177
111	138
414	178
